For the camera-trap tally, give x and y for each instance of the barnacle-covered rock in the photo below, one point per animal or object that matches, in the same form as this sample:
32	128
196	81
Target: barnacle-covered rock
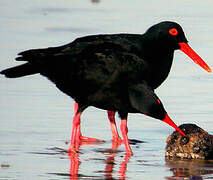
197	144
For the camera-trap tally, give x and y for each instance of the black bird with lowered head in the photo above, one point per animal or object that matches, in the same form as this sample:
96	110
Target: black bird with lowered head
116	72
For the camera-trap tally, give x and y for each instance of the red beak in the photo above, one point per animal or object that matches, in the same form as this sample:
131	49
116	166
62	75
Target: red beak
171	123
194	56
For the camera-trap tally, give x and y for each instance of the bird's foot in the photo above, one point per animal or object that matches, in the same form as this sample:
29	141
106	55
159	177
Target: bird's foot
88	139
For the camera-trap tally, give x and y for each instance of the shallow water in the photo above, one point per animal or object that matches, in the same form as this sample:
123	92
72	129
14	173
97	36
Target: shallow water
35	118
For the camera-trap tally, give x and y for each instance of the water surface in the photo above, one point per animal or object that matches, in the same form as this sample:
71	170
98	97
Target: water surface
35	117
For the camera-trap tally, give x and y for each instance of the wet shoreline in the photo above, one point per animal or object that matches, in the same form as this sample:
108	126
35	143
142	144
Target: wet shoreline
35	117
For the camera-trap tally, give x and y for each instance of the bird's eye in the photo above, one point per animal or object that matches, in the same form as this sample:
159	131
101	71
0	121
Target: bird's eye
173	32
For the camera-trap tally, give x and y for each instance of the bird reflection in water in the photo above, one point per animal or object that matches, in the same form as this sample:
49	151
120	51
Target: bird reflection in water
190	169
109	172
74	165
110	162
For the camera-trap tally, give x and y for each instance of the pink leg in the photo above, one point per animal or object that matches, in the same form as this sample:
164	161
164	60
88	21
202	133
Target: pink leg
76	122
124	131
115	135
79	136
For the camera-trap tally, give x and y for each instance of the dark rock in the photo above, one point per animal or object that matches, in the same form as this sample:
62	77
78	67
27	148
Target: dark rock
197	144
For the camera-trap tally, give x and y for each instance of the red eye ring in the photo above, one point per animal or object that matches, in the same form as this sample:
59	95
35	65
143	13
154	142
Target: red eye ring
158	100
173	32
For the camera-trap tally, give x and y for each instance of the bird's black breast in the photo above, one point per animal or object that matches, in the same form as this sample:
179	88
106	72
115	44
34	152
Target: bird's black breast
159	61
159	70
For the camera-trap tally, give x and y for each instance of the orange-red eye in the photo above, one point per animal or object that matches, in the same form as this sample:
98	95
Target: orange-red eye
173	32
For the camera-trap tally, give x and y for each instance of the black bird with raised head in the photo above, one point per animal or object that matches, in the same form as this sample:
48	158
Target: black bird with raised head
115	72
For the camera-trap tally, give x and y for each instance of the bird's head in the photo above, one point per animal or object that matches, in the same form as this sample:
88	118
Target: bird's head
157	111
144	100
169	35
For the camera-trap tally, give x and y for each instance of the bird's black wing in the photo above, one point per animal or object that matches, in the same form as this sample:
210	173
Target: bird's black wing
91	64
86	45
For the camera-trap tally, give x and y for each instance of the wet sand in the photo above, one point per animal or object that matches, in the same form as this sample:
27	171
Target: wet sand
35	117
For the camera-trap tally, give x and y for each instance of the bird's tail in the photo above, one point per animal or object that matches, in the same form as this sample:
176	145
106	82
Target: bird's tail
19	71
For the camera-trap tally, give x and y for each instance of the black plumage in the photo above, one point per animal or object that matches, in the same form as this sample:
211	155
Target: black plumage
116	72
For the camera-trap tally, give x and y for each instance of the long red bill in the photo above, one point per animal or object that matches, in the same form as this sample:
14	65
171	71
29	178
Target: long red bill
194	56
171	123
